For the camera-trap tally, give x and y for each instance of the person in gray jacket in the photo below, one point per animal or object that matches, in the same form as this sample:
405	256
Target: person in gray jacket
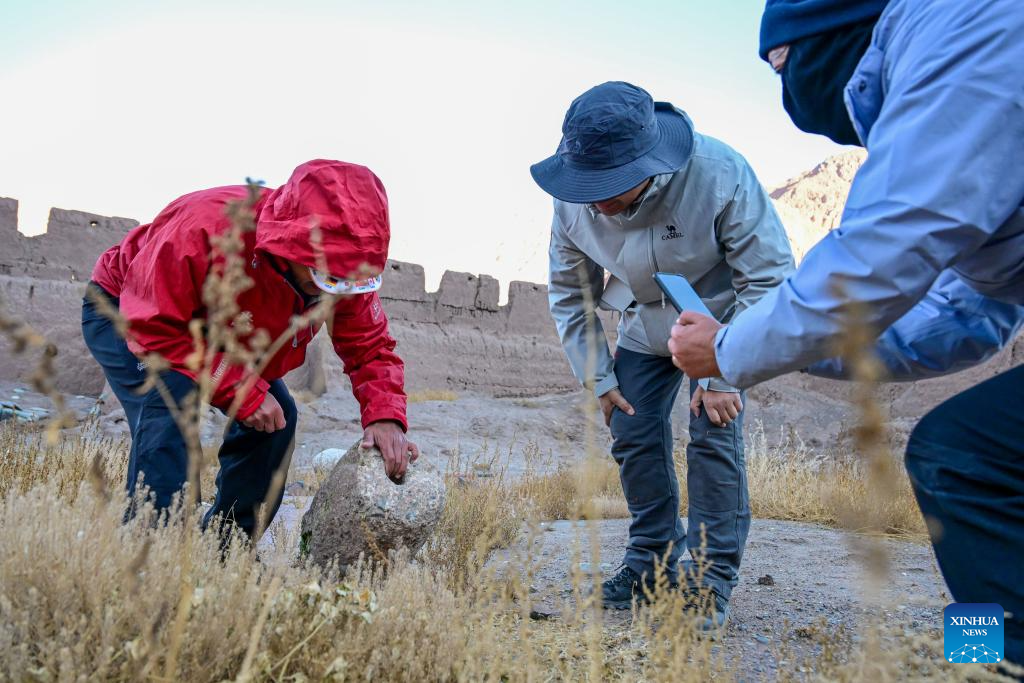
638	191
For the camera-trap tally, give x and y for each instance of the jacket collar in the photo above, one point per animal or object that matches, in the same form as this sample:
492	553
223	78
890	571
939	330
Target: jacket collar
633	209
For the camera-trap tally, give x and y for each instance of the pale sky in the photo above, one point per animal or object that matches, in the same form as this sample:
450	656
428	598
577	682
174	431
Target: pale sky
119	107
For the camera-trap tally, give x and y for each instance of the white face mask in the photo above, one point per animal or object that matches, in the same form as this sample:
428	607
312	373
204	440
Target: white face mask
333	285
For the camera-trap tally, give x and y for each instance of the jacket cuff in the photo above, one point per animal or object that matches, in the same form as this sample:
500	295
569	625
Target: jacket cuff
719	384
605	385
253	400
378	412
722	356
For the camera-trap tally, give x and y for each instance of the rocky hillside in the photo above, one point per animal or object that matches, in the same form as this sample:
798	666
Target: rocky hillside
811	204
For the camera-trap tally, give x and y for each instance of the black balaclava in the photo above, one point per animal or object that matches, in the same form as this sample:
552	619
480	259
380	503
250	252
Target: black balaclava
816	72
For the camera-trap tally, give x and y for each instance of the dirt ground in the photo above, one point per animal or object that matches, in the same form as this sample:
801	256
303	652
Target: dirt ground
817	588
800	584
816	574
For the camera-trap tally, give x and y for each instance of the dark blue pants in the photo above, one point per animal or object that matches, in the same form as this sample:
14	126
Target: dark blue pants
159	457
716	480
966	463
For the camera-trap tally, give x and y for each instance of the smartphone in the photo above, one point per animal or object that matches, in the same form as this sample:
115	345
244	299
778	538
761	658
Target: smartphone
685	298
681	293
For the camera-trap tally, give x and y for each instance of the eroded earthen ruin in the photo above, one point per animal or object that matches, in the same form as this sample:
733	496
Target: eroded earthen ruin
457	338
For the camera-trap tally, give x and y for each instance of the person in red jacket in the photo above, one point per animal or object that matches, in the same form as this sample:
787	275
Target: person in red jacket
155	278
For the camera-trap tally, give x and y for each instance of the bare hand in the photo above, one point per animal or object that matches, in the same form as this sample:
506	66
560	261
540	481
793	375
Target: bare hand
397	451
723	406
611	400
268	417
693	345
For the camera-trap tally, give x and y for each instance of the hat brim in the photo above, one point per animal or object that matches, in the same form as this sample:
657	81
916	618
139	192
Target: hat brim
588	185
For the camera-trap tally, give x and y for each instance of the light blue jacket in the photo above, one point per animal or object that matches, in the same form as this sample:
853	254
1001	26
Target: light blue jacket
932	237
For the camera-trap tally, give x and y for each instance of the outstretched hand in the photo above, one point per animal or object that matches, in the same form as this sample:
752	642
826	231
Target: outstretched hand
397	451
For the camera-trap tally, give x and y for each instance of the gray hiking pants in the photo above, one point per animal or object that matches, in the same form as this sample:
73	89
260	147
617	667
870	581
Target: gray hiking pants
719	507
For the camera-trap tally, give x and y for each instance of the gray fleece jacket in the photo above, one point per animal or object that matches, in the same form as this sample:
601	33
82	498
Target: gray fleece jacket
710	221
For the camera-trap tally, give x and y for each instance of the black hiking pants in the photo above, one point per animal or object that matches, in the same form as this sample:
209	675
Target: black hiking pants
966	463
159	458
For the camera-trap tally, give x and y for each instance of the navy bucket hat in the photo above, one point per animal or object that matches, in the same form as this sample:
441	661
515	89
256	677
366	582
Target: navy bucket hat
614	137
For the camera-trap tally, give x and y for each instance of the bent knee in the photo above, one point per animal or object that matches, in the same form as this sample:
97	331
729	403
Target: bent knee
932	430
937	441
631	432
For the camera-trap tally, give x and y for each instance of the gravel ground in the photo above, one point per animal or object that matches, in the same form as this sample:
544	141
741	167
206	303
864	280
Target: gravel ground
816	575
799	584
816	579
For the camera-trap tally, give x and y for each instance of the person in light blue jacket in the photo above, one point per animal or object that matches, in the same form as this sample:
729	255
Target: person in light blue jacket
931	243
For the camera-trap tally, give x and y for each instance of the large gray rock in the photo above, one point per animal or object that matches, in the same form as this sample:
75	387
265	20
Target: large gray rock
359	510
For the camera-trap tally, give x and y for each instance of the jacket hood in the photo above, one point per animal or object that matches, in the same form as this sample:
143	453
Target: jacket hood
348	204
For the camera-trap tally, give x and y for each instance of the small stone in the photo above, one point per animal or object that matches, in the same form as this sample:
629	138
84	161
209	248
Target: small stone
766	580
327	458
359	510
543	614
761	639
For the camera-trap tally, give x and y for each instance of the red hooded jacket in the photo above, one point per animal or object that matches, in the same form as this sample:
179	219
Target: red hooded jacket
158	271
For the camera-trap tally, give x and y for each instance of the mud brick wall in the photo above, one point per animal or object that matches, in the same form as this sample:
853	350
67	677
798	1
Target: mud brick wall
458	337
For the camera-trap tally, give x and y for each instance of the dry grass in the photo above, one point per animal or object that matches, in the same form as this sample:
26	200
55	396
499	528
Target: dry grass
432	395
479	516
787	488
784	484
85	595
103	611
590	490
29	459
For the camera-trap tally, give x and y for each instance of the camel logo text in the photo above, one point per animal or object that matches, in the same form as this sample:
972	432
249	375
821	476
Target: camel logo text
671	233
973	633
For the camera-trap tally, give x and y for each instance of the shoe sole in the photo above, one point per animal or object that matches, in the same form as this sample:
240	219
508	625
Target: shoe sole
625	604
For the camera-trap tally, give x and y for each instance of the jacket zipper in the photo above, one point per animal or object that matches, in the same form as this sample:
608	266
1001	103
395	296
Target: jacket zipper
298	295
295	336
654	262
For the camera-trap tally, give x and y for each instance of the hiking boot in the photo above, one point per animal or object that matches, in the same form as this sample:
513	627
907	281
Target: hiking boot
710	609
618	592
